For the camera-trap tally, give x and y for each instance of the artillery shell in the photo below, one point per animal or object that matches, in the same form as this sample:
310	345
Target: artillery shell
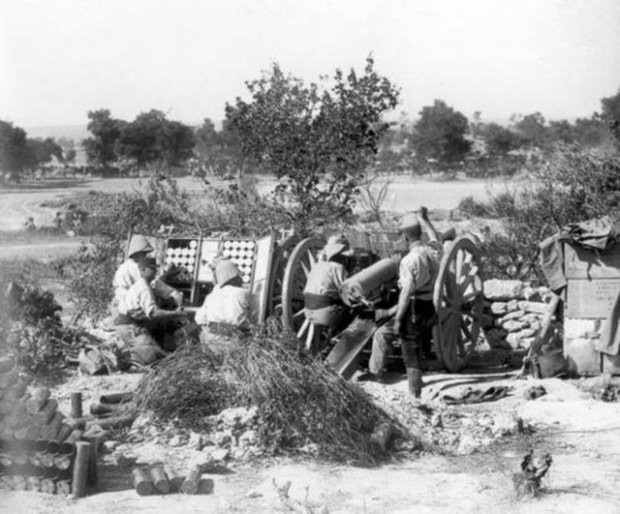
104	409
37	400
63	487
48	486
191	482
205	486
76	405
45	414
50	431
116	397
80	469
142	482
69	444
33	483
160	480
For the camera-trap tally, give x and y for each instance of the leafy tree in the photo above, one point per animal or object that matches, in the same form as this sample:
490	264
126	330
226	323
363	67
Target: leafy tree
611	113
151	139
318	139
70	155
498	140
106	131
440	133
40	151
532	129
217	152
590	132
13	148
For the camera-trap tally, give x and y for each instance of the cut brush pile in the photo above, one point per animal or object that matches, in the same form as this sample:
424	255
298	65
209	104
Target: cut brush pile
303	406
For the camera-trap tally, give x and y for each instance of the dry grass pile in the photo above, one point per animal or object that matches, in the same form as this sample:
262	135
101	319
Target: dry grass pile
303	406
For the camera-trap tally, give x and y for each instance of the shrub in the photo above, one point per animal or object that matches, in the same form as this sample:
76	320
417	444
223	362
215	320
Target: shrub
574	185
31	329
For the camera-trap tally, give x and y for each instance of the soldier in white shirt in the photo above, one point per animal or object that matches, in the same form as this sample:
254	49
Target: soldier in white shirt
128	273
229	302
414	313
140	318
323	303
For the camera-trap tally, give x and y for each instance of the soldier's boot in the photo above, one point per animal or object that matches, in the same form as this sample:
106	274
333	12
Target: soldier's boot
414	379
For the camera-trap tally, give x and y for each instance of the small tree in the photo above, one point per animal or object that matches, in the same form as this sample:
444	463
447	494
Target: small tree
440	134
318	140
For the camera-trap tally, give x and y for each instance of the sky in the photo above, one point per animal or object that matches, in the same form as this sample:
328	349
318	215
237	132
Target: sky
62	58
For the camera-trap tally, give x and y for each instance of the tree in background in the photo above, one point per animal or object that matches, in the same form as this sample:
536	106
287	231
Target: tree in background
19	153
100	149
610	107
151	140
440	134
41	151
13	149
217	153
319	140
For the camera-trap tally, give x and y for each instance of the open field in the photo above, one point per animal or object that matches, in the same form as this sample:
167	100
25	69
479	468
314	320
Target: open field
405	193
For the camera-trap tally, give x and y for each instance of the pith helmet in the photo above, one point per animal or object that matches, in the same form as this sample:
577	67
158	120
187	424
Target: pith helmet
337	245
409	222
138	244
225	271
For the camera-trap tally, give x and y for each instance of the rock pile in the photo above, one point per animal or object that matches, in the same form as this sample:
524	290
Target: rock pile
513	313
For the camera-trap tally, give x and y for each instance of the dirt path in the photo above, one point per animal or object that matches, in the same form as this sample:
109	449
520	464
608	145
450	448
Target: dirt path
405	193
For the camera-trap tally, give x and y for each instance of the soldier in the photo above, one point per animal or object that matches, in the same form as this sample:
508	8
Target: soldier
323	303
141	324
414	314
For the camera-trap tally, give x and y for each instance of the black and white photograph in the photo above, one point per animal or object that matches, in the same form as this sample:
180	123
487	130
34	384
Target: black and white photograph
310	256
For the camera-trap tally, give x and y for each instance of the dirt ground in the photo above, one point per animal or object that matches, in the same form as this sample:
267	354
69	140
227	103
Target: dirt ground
581	434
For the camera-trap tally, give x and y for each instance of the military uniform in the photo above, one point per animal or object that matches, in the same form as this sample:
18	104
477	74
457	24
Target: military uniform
419	268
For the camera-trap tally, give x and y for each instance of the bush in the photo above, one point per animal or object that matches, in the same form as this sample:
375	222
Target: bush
574	185
31	329
300	401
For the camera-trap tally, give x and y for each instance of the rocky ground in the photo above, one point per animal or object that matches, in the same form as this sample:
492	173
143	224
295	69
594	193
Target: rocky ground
462	459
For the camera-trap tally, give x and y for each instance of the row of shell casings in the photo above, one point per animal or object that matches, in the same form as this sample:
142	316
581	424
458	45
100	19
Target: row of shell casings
45	454
26	477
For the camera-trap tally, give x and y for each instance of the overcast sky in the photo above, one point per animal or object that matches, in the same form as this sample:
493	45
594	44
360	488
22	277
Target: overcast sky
61	58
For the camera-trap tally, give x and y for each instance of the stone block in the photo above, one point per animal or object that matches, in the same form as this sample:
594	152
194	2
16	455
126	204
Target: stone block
531	294
534	307
575	328
526	342
514	340
499	308
535	325
527	332
513	325
531	318
518	315
512	305
502	289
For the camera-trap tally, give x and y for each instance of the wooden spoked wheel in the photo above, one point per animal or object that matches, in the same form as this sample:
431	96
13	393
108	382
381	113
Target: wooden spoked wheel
281	256
458	301
298	266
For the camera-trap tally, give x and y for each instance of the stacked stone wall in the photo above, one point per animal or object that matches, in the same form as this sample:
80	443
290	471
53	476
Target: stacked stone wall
513	313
